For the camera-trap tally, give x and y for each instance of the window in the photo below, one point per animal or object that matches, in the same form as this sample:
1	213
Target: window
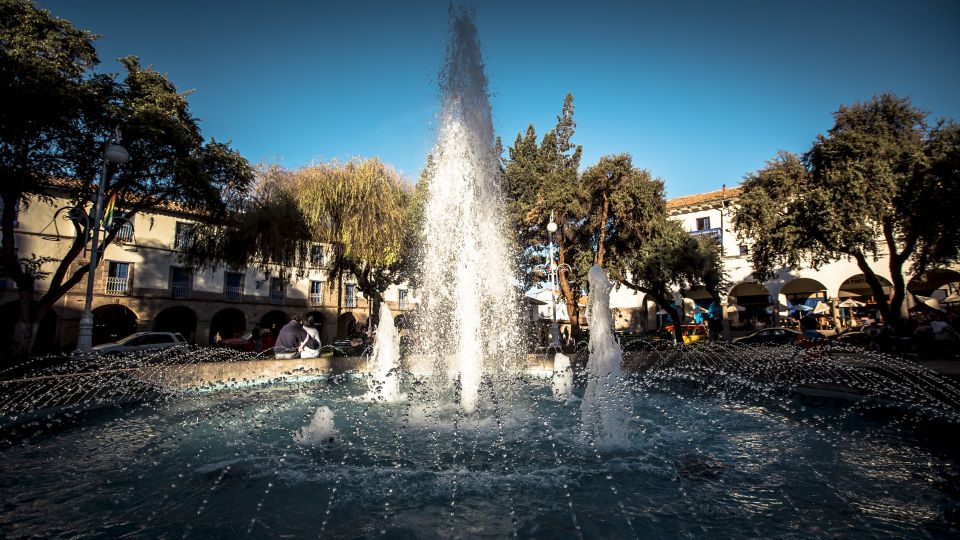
181	240
316	293
180	282
316	255
350	295
703	223
118	278
233	286
402	299
125	234
744	250
276	291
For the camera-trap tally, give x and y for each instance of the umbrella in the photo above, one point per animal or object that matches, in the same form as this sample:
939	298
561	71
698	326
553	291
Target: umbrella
932	303
701	310
822	308
850	303
952	299
847	294
733	308
801	307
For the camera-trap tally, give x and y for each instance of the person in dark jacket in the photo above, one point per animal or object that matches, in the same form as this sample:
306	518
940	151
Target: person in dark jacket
290	339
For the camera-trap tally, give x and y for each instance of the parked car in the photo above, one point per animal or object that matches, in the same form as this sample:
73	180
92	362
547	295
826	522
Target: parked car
851	335
770	336
245	342
143	341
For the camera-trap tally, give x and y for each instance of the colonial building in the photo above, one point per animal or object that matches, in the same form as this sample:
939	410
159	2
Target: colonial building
711	214
142	284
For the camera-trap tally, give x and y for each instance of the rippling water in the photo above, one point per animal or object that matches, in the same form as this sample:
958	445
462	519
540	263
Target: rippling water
227	464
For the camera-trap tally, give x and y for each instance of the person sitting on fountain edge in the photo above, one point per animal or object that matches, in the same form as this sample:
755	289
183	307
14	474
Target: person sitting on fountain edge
289	340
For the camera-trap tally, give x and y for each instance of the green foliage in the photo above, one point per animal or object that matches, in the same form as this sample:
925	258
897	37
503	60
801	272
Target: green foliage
624	205
880	182
358	209
540	181
55	119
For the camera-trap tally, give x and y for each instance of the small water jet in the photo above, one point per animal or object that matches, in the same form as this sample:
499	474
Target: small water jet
321	430
601	410
385	361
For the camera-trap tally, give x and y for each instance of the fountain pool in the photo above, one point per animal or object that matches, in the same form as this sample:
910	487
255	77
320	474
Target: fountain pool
695	464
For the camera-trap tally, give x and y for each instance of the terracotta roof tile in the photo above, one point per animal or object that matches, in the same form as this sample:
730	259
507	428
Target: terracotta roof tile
702	198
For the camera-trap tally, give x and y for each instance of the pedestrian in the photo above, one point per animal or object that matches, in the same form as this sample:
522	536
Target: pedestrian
255	335
290	339
310	348
715	325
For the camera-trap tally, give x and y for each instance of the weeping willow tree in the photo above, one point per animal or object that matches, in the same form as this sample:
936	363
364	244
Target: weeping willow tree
356	209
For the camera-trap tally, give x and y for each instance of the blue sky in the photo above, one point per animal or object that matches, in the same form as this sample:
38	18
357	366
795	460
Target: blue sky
700	93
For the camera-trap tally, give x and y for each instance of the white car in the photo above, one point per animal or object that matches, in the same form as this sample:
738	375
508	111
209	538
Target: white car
143	341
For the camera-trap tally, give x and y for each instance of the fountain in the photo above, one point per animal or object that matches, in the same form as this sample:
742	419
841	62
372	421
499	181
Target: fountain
384	363
707	441
468	323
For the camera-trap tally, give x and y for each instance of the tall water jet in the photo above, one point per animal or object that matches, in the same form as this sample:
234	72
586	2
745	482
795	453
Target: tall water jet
384	376
468	314
601	413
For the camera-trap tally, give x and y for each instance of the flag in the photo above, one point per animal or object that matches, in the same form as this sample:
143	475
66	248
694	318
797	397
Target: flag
108	211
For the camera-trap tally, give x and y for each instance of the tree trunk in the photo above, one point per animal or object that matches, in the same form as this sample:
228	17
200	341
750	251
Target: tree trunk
573	308
877	287
602	237
677	319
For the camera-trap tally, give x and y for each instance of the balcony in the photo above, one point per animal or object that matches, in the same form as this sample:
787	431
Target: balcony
125	234
117	286
716	234
180	289
277	297
233	294
316	299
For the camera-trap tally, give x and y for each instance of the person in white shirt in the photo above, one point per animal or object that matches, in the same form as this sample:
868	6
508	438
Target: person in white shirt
311	346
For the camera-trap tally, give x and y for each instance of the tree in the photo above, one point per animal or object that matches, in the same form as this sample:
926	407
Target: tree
880	182
540	181
669	259
54	126
358	208
635	242
624	206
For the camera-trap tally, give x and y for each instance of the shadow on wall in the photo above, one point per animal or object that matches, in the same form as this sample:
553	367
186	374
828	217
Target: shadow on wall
46	342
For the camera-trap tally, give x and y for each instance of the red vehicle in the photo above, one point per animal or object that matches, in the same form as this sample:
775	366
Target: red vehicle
245	342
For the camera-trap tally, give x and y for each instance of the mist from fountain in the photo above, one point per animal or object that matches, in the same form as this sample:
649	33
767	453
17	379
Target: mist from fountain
468	321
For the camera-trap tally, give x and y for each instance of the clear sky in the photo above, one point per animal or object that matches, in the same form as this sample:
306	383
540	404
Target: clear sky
700	93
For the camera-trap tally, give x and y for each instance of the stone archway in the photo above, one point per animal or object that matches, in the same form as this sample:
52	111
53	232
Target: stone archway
346	325
228	323
112	322
856	287
754	299
931	281
274	321
180	319
805	292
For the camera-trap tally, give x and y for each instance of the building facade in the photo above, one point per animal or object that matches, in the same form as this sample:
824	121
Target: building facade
141	284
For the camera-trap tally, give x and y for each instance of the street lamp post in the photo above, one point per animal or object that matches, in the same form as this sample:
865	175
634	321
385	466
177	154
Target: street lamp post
113	153
552	276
